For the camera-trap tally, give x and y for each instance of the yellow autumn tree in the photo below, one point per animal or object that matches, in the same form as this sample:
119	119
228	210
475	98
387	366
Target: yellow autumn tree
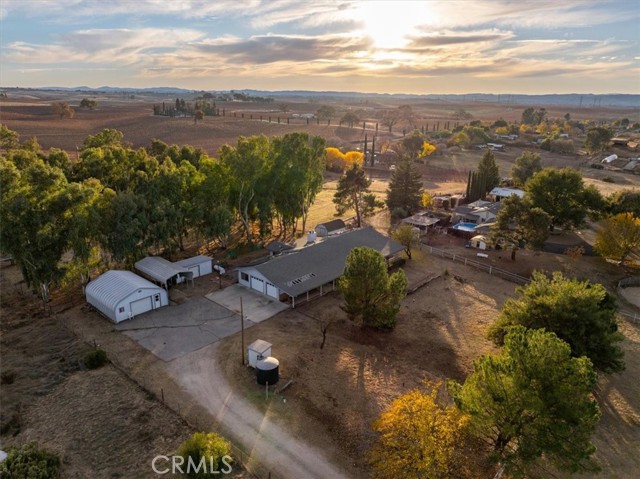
502	130
427	149
427	200
334	159
619	237
420	438
353	157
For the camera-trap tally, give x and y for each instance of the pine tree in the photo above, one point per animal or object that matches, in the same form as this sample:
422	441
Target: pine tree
405	188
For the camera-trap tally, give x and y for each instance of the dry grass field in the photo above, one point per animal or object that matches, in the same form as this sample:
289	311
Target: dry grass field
340	390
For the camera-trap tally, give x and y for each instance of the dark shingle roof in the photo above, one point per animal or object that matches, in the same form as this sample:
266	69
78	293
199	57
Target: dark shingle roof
312	266
333	225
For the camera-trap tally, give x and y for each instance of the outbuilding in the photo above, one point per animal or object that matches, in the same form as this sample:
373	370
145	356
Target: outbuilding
198	265
332	227
479	242
163	272
121	295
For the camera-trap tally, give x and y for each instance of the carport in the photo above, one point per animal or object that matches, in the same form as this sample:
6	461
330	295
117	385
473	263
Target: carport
163	272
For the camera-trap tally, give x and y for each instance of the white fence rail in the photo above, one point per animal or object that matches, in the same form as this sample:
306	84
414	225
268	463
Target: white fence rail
514	278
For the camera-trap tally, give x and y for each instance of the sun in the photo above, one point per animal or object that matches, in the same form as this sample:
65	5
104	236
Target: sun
391	23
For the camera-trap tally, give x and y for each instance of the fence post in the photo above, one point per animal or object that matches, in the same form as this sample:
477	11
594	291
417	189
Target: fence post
490	267
453	257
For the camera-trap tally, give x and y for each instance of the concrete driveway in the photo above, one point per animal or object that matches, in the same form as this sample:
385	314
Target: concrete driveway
256	307
174	331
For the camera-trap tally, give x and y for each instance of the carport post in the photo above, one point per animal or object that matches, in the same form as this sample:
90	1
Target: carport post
242	329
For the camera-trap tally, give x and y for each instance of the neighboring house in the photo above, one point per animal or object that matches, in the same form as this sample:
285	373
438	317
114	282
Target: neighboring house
313	270
421	220
498	193
121	295
329	228
477	212
163	272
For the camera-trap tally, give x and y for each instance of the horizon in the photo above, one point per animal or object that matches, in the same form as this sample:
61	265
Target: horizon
368	47
100	88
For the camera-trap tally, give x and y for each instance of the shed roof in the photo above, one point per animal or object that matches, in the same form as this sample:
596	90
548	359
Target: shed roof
193	261
160	269
277	247
309	268
259	346
108	289
333	225
498	191
421	220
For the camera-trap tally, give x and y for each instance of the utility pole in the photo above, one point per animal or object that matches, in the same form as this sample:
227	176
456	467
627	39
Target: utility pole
242	329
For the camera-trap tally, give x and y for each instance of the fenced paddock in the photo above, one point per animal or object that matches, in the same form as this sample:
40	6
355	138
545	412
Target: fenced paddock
521	280
507	275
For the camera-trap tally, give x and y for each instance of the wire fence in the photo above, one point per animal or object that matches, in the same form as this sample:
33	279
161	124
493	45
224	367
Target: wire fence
507	275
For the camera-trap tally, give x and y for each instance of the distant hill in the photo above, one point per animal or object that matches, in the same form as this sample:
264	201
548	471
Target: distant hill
569	99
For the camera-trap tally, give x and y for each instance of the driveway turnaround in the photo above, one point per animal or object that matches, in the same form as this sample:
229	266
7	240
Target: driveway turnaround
174	331
257	307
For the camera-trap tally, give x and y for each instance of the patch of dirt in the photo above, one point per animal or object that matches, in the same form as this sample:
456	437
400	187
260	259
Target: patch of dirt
342	388
101	423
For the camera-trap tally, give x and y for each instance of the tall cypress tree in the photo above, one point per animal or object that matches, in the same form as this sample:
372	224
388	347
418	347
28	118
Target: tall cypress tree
488	173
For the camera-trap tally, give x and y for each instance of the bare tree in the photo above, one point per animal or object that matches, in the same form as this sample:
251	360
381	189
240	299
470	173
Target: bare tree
63	109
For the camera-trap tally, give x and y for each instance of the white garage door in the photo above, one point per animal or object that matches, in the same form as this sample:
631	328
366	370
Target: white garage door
141	306
272	291
257	284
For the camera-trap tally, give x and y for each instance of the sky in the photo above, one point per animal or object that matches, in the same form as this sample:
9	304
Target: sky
419	47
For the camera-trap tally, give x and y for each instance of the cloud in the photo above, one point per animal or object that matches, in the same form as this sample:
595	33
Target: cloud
261	49
445	38
100	45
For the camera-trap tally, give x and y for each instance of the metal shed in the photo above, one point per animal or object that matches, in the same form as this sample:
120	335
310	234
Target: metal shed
258	350
198	265
163	272
121	295
330	228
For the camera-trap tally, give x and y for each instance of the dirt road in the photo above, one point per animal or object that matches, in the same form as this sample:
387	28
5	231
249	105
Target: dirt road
268	443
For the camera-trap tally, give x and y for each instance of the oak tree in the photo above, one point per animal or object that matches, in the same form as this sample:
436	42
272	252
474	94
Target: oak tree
618	237
532	401
581	313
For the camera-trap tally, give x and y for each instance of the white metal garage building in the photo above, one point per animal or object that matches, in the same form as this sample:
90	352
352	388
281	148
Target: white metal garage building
198	265
312	271
121	295
162	271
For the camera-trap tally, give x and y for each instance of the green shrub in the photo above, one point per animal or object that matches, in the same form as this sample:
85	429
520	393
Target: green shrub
30	462
608	179
95	359
208	445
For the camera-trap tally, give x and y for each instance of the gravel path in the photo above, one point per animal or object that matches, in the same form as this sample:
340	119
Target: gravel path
269	444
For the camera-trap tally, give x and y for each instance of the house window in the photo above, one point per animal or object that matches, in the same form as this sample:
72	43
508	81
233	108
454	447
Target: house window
156	298
121	309
244	276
